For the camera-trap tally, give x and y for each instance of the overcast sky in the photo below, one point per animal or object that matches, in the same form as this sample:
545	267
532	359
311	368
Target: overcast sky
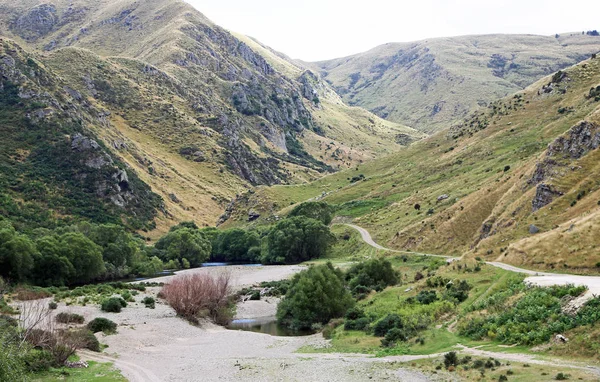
322	29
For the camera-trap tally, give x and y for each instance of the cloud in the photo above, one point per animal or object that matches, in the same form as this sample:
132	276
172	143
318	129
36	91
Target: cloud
314	30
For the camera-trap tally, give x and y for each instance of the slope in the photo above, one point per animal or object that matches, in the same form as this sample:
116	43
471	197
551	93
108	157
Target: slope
434	83
516	182
199	114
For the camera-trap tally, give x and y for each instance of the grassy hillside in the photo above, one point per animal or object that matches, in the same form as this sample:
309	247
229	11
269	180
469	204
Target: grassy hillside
481	188
199	114
434	83
53	168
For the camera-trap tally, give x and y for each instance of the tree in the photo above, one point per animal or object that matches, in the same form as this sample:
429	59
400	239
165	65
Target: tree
373	274
316	210
16	253
297	239
184	243
51	266
234	245
315	296
84	254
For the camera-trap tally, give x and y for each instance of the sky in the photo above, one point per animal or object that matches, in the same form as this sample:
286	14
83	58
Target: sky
314	30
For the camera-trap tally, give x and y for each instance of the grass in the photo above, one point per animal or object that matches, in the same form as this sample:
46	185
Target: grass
97	372
467	164
436	96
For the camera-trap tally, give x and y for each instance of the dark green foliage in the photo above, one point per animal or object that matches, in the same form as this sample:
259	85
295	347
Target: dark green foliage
276	288
388	322
321	211
316	295
594	93
450	359
184	243
426	297
393	336
38	360
372	274
297	239
190	225
457	292
236	245
561	377
52	305
113	305
90	341
355	319
69	318
101	324
149	302
534	318
16	253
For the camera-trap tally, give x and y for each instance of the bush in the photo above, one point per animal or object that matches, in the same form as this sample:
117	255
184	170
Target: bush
561	377
52	305
450	359
372	274
101	324
426	297
69	318
392	336
149	302
387	323
113	305
37	360
315	210
316	295
89	340
201	295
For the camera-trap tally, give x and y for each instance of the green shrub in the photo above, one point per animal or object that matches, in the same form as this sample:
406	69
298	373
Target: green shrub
561	377
52	305
69	318
372	274
89	341
387	323
37	360
315	210
101	324
149	302
113	305
426	297
450	359
316	295
393	336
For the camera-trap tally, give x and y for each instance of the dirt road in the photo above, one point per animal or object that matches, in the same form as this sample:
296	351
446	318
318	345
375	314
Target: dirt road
535	278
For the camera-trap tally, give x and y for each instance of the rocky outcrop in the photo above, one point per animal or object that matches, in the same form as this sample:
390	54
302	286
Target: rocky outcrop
578	141
36	22
544	195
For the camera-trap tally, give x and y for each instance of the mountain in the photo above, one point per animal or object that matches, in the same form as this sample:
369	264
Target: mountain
516	182
432	84
192	111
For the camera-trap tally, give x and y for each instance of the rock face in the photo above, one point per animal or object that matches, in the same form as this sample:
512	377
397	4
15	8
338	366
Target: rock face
37	22
578	141
544	195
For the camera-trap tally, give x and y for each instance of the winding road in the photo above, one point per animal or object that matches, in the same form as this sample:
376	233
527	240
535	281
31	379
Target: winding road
535	278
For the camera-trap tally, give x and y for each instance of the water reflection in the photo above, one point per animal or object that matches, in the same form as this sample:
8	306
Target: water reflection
267	325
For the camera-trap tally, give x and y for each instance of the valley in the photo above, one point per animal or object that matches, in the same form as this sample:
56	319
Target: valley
422	211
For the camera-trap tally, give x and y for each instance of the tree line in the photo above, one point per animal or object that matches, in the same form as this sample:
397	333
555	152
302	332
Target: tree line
87	252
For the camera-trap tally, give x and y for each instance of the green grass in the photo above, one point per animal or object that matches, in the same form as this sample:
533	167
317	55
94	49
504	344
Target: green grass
97	372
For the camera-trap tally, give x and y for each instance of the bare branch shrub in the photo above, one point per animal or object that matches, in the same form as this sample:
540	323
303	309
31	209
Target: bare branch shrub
201	296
